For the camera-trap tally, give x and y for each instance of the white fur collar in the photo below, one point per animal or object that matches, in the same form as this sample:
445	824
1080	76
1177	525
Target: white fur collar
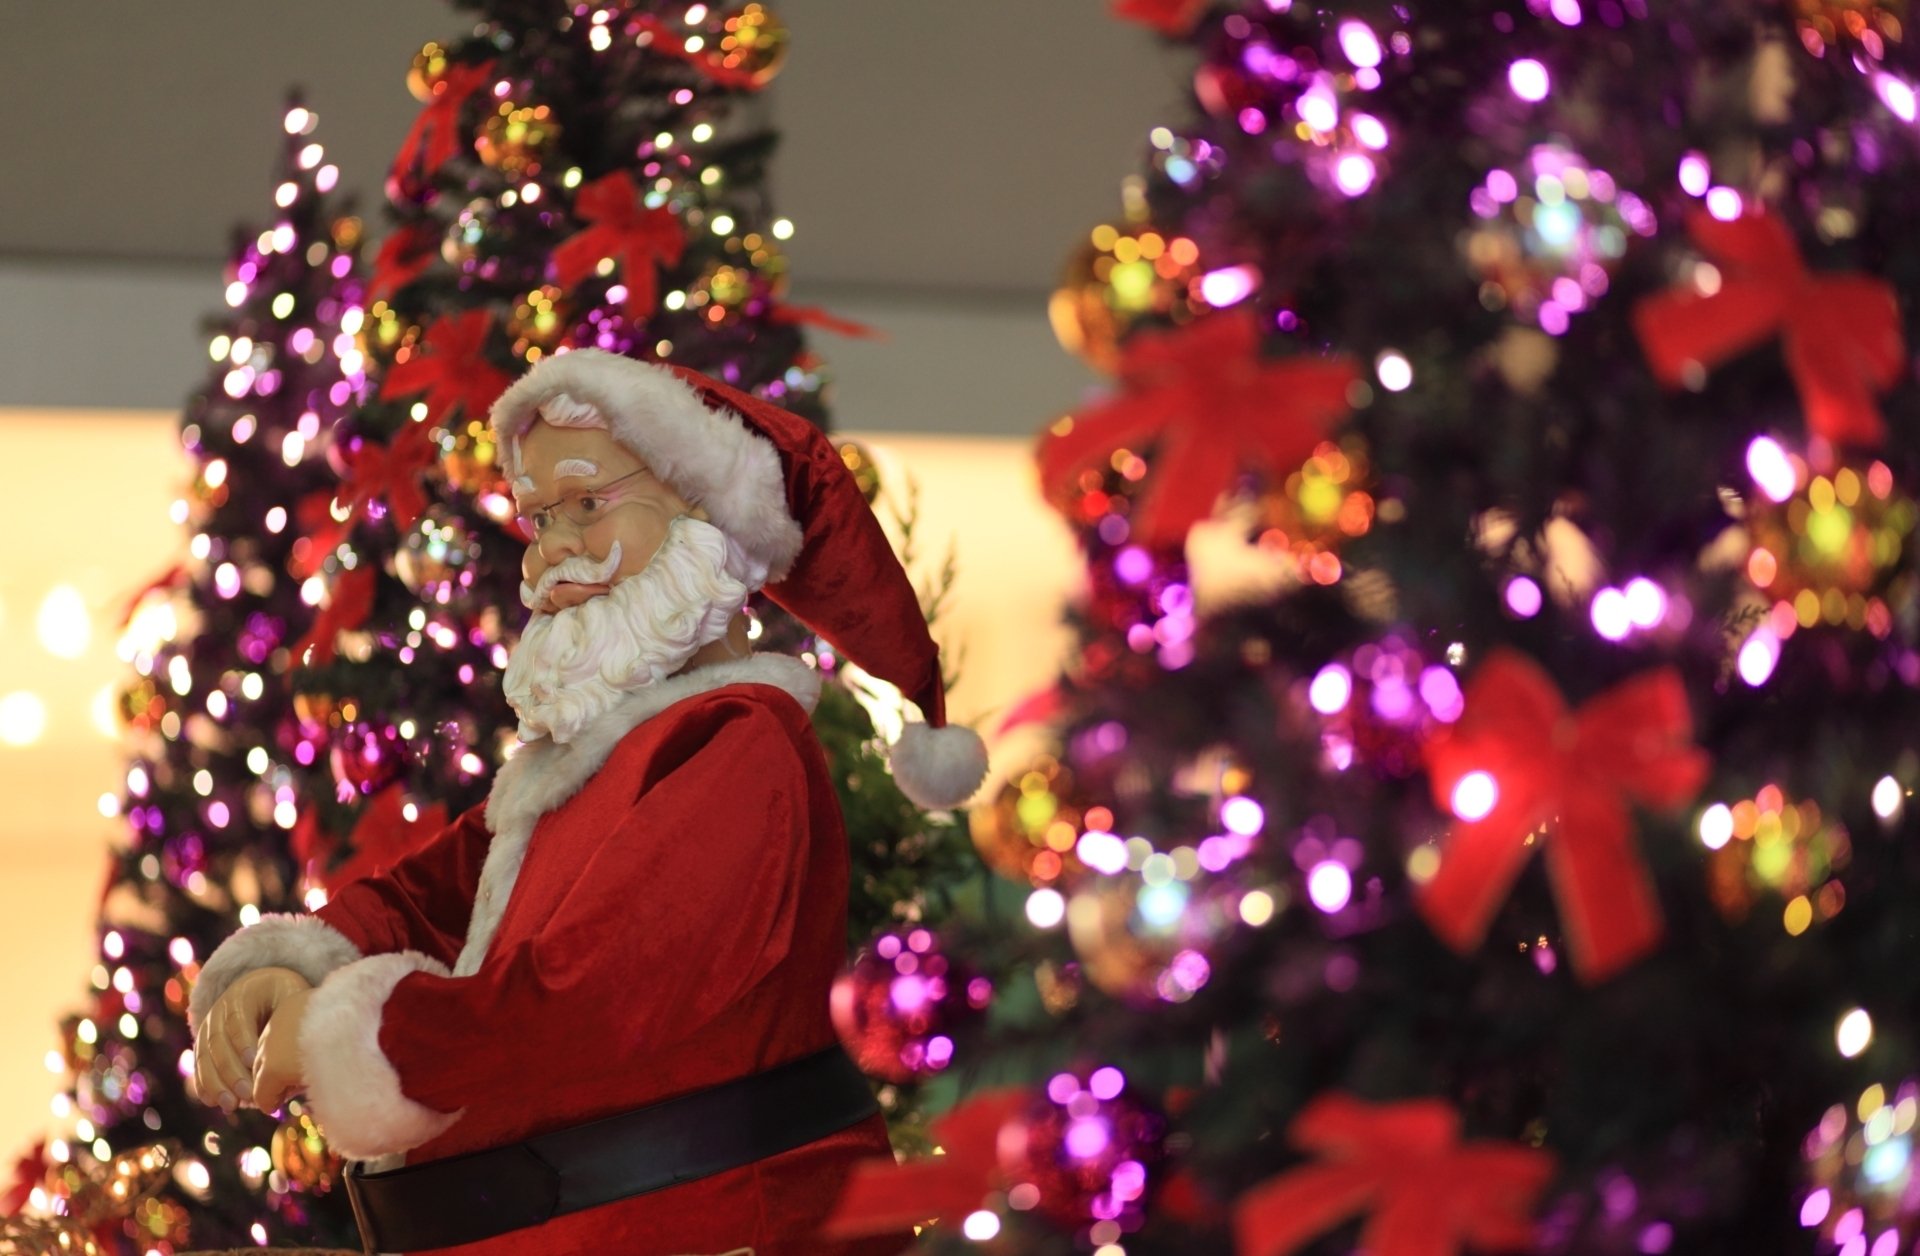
543	775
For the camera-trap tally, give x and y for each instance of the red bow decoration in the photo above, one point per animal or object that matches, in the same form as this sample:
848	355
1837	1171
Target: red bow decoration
814	316
320	533
639	239
450	366
347	608
389	471
669	42
883	1198
381	837
1572	772
404	255
1428	1193
28	1172
1215	409
1840	332
435	136
167	581
1169	17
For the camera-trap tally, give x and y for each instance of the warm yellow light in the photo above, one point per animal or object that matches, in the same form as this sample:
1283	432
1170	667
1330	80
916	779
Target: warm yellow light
103	717
63	623
23	718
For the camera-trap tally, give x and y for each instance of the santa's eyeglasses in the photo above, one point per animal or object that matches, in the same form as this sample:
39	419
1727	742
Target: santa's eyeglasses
583	507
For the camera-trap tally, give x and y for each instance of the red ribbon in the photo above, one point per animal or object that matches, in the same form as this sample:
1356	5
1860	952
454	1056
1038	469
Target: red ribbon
435	136
381	837
1213	408
404	255
1042	706
320	533
638	239
29	1171
347	608
713	65
883	1198
389	471
814	316
451	367
1426	1192
1169	17
169	580
1840	333
1572	773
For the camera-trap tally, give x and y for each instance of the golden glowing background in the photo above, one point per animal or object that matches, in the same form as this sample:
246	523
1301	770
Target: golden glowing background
90	494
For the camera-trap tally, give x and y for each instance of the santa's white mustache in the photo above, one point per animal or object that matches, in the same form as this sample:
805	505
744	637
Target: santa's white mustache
576	570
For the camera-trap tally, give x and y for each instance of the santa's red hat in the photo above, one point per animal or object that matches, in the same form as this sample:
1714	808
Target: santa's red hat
774	484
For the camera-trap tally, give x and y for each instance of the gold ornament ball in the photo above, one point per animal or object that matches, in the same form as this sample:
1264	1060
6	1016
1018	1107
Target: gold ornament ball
516	138
346	232
755	40
460	247
324	710
1835	551
1144	951
539	322
1029	831
141	705
428	69
1871	23
434	554
302	1156
866	474
1121	276
469	458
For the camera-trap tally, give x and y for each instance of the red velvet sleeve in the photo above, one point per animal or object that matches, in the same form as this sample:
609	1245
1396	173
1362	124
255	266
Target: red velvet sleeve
688	903
421	903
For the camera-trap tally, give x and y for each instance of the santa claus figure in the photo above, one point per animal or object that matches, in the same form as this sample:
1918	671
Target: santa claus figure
592	1014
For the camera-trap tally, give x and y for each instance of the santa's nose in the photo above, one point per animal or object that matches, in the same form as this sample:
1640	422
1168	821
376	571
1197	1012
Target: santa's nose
559	542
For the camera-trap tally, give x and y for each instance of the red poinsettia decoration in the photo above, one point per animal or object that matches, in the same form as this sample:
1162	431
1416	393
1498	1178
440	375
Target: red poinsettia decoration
1212	409
886	1198
1544	776
451	367
1424	1191
435	136
663	39
403	257
381	836
1169	17
1840	333
348	607
639	239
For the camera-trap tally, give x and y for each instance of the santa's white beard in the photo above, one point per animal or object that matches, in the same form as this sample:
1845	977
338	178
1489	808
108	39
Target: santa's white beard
572	665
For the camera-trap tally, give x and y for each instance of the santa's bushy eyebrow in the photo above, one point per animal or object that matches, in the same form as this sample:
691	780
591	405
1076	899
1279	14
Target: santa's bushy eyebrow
568	468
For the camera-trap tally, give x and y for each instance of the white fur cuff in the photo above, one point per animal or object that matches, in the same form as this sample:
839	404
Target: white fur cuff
308	945
354	1089
938	768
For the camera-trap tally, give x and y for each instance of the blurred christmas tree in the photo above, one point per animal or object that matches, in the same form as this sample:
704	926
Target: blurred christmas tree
208	796
1524	861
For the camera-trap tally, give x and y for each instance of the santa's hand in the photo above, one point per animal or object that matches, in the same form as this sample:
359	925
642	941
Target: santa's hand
223	1049
277	1075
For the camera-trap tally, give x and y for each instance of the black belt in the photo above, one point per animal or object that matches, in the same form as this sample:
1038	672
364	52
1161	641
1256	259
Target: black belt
483	1194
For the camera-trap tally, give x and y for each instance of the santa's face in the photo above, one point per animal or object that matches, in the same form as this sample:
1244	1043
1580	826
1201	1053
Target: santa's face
590	499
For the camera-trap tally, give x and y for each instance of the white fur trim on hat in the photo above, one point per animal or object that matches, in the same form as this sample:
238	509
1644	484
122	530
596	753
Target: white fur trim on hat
937	768
306	944
710	457
353	1087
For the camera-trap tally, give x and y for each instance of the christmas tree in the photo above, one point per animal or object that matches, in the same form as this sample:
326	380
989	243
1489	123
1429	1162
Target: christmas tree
1528	865
207	798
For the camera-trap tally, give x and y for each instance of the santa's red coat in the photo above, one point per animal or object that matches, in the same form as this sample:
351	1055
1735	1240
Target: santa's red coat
656	908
